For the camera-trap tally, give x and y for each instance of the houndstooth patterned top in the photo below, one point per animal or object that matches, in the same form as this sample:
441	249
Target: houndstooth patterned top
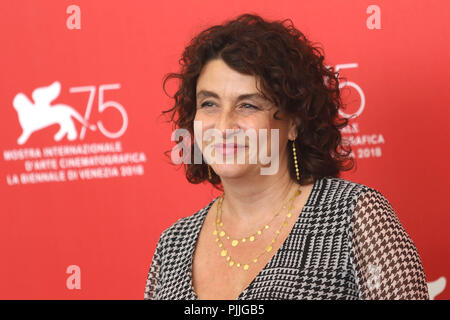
347	243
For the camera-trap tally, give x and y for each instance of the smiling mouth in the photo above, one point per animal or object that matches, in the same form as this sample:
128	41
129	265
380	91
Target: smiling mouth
228	145
228	148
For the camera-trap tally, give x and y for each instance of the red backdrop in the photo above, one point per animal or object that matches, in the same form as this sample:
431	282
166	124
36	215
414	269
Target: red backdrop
80	218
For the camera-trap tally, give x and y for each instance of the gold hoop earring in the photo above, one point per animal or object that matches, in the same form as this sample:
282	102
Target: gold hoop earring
209	172
295	160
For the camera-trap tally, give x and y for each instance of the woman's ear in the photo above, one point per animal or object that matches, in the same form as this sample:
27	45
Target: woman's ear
293	128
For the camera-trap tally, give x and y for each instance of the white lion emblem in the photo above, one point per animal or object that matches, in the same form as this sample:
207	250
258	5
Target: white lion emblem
33	117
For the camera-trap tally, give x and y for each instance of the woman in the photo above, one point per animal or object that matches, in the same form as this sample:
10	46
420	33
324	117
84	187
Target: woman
298	233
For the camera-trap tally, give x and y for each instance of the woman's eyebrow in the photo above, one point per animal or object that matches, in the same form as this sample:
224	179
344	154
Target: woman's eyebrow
207	93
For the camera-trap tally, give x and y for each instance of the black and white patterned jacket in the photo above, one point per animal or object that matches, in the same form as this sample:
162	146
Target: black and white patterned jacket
347	243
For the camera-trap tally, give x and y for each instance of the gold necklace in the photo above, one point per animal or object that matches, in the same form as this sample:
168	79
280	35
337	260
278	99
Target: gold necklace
222	233
224	252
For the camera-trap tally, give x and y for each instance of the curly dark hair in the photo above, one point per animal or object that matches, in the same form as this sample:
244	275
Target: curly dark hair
293	76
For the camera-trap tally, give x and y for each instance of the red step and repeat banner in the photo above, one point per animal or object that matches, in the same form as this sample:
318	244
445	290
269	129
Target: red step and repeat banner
85	187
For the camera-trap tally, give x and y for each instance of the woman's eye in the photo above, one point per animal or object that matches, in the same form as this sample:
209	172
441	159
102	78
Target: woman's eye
245	105
205	103
249	106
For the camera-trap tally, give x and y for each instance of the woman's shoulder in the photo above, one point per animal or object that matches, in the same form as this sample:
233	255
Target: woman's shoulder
336	203
334	191
349	196
187	226
335	188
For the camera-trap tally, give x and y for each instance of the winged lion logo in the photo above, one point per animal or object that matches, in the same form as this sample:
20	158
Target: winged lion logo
40	114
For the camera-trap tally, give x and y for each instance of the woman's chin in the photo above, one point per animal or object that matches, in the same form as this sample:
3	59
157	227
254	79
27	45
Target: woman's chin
230	170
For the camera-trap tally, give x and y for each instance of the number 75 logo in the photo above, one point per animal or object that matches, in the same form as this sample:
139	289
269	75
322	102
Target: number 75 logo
102	105
39	113
353	85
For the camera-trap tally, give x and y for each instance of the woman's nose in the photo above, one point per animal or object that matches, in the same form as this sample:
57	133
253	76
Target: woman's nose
226	120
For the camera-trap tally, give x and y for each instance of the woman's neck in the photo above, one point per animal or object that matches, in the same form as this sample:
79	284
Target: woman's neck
253	201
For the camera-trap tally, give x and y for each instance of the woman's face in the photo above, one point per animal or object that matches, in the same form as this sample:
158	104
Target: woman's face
219	107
